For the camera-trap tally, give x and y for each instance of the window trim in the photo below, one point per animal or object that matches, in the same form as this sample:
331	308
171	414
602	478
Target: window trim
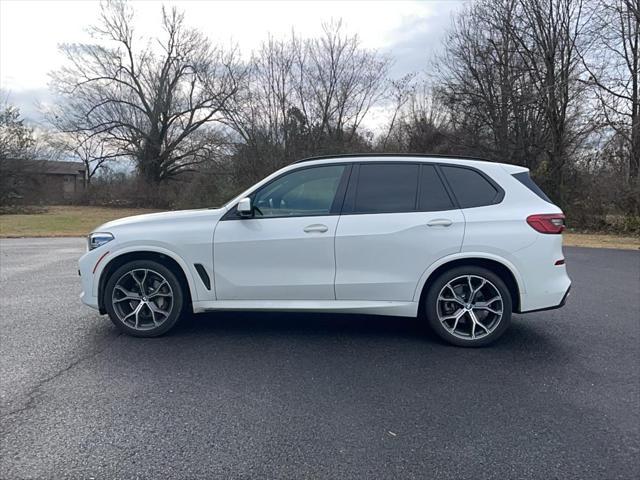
336	204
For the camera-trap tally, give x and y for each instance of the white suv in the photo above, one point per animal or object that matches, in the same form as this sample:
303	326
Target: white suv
460	242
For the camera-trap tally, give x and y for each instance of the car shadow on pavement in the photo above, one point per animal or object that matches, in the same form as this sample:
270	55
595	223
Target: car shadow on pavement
523	334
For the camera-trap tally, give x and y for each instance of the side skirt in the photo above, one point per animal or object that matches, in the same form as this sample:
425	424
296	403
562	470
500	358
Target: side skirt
399	309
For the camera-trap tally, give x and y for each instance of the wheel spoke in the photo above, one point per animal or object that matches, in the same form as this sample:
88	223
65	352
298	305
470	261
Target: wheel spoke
455	316
488	302
128	294
157	293
155	309
139	282
488	309
153	315
475	321
455	324
474	292
137	312
455	297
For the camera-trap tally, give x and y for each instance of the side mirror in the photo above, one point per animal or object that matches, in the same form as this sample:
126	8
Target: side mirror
244	207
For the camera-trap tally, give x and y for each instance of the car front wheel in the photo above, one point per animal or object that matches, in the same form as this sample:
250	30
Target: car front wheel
469	306
143	298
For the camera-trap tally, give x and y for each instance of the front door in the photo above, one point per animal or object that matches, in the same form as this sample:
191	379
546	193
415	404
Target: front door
286	250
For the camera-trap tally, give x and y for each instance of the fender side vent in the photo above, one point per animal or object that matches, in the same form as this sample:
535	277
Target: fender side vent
204	276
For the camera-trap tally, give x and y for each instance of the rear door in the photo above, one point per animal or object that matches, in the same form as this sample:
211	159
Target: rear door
397	220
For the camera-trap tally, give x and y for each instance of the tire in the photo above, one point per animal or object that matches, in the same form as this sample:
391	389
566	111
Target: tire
468	324
162	300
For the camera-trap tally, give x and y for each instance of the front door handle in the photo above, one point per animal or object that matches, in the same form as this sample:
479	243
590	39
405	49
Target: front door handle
439	222
316	228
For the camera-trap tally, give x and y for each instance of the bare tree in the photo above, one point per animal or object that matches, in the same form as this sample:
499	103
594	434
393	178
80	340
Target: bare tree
613	66
342	81
419	123
155	101
302	97
402	90
489	92
548	40
94	151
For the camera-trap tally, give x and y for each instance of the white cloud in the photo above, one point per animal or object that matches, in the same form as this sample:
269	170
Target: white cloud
30	31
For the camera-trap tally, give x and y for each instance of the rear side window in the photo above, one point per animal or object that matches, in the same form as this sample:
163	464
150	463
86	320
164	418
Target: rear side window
470	187
433	196
386	188
528	182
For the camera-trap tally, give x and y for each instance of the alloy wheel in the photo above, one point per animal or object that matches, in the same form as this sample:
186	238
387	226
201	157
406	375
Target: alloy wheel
470	307
142	299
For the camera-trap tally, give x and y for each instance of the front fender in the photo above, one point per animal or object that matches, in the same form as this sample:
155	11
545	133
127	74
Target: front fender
156	247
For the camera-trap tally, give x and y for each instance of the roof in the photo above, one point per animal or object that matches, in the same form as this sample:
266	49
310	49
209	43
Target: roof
403	155
50	167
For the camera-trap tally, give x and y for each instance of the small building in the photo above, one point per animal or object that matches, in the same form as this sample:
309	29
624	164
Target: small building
44	181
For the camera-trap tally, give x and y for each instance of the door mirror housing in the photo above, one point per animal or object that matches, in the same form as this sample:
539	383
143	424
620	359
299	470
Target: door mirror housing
244	208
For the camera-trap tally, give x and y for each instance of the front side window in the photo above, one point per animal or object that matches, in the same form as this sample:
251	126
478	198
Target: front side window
386	188
305	192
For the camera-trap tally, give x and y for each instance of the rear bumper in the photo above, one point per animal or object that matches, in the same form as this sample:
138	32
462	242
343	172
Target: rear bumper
554	307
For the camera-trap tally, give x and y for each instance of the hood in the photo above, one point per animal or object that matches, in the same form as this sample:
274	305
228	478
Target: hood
161	217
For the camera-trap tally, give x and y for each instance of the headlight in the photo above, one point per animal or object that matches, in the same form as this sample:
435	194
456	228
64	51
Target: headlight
98	239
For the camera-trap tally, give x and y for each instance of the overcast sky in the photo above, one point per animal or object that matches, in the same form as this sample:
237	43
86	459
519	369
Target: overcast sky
30	31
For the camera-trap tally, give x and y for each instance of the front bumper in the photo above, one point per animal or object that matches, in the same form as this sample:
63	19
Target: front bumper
85	270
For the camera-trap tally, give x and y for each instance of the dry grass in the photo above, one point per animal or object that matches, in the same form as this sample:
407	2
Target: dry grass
62	221
68	221
594	240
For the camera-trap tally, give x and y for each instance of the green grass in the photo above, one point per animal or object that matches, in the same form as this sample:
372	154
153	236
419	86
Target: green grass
62	221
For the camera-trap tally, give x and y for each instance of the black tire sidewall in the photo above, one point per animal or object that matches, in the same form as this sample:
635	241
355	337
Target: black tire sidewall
172	279
430	305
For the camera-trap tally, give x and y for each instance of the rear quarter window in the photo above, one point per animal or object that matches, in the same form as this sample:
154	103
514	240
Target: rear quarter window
525	179
471	188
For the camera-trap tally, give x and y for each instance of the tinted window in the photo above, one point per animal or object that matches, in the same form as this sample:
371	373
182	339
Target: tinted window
384	188
470	187
528	182
433	196
304	192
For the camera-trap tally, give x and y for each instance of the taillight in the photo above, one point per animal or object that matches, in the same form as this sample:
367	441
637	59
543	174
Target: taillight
547	222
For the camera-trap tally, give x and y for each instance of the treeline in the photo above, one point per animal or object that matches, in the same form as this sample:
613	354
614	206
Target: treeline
548	84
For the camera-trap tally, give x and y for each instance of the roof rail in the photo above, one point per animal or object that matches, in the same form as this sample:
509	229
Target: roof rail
407	155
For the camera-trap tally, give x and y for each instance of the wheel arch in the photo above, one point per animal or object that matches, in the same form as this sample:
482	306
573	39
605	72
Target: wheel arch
166	259
503	269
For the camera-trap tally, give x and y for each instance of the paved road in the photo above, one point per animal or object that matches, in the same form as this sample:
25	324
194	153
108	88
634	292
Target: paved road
312	396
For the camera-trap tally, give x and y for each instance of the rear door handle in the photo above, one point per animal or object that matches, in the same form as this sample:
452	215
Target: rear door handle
316	228
439	222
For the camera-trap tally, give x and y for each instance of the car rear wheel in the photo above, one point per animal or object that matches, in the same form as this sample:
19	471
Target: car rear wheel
144	298
468	306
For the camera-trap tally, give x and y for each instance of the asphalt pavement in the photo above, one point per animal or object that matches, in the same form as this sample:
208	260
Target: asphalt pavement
249	395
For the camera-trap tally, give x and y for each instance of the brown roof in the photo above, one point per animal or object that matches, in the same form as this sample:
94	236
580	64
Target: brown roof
62	168
52	167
